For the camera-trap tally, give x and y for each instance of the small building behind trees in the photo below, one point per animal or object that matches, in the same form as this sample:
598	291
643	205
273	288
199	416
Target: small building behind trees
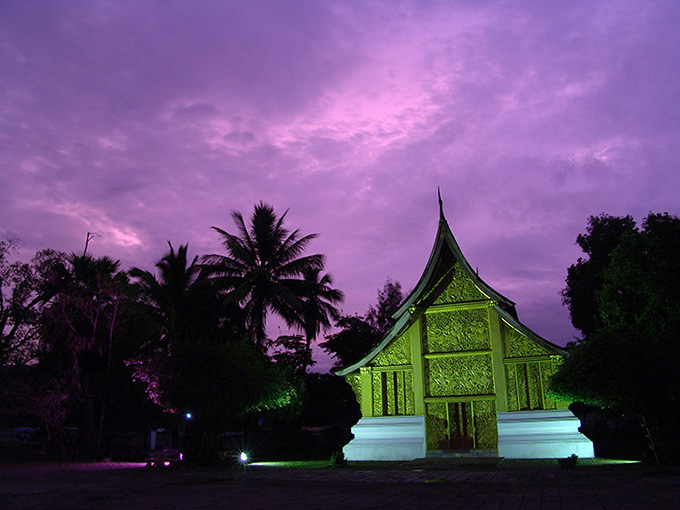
456	368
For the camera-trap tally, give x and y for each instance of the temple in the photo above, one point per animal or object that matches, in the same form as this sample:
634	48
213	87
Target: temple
458	372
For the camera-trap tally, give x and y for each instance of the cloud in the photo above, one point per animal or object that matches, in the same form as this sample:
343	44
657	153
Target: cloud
153	121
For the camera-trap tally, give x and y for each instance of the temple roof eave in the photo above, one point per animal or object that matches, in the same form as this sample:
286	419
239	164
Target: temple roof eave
514	323
403	315
445	238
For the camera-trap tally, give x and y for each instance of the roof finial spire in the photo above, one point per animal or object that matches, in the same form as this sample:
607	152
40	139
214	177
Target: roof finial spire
441	204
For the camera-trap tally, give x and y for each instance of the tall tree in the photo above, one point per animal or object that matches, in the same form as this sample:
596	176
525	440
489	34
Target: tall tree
23	291
356	334
185	307
291	351
629	360
79	337
181	296
585	277
262	269
353	340
319	308
201	361
389	299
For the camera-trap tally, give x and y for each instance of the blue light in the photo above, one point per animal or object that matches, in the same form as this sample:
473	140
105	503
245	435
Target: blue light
243	457
188	416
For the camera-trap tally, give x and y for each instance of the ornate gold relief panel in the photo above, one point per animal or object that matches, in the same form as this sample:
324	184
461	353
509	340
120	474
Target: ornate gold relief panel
436	426
519	346
409	401
393	393
461	425
461	288
535	386
486	428
398	352
512	386
376	380
548	368
354	381
460	375
526	384
459	330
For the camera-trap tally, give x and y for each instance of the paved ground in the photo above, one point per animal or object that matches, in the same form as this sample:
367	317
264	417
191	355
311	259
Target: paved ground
435	483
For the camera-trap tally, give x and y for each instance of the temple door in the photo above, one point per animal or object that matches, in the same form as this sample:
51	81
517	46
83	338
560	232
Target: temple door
461	426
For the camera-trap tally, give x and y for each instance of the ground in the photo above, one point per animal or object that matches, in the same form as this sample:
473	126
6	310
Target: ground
435	483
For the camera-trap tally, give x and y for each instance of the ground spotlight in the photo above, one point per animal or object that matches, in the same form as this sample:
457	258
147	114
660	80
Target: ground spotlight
243	457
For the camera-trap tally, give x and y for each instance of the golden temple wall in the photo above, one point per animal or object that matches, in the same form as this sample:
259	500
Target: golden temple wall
458	362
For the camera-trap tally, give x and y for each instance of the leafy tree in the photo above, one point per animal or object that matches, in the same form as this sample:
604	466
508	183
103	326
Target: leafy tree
221	381
186	309
79	342
629	361
585	278
262	269
182	298
389	299
291	350
318	309
358	335
354	340
23	291
200	362
331	405
642	283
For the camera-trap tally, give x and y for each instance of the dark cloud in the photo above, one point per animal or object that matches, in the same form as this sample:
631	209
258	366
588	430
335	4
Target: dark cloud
152	121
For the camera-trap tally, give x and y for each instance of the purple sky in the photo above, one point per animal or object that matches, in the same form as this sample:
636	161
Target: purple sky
152	121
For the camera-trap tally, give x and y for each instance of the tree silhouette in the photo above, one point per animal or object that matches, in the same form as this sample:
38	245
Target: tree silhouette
201	362
319	309
181	296
262	269
23	292
389	299
357	335
629	360
78	335
585	278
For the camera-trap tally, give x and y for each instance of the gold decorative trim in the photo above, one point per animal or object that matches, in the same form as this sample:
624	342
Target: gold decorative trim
392	368
439	280
454	354
464	305
460	398
527	359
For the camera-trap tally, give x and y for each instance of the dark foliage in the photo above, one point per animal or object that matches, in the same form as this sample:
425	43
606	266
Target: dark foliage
585	278
89	328
358	335
262	270
629	361
389	299
352	342
200	361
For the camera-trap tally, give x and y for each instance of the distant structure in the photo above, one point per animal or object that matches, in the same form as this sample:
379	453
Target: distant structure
459	372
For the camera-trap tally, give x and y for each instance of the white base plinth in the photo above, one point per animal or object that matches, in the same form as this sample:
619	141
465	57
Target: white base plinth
541	435
387	438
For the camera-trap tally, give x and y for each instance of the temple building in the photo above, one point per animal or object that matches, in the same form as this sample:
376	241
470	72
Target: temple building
459	372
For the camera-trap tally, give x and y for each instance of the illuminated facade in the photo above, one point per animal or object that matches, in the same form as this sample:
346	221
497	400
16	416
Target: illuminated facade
457	356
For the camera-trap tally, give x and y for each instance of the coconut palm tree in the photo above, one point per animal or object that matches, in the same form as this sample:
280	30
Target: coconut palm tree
318	306
202	362
262	269
178	294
